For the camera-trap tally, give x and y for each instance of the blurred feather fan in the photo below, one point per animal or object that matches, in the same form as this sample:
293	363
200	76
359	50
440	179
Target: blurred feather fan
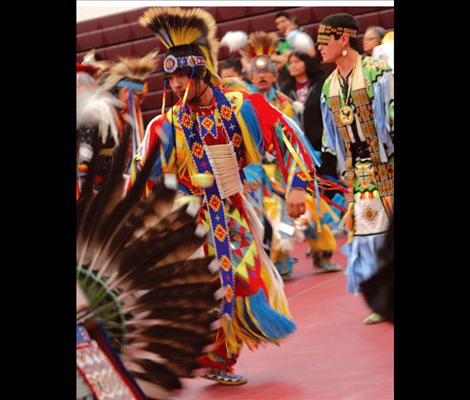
134	267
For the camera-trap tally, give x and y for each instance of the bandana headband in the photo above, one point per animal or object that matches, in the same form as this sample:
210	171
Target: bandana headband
131	85
325	31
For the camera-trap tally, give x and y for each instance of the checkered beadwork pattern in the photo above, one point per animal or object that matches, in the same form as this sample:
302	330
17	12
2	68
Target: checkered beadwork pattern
98	371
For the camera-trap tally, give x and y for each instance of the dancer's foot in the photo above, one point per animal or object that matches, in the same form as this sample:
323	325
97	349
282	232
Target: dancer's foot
322	260
329	267
225	378
286	277
373	318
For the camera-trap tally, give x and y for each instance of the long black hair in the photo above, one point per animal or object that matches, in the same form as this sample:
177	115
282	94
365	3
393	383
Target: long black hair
313	69
234	63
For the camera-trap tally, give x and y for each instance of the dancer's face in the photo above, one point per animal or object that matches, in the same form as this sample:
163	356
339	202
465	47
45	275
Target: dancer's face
178	82
263	80
332	51
124	97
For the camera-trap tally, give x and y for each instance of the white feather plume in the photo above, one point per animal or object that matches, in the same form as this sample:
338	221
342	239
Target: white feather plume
300	41
298	107
94	107
234	40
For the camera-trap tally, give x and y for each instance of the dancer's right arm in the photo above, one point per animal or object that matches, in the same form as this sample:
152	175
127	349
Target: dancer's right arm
158	133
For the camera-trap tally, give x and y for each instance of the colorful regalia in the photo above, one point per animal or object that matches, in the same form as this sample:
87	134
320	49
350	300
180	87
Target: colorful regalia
216	143
86	130
111	108
95	118
258	49
98	118
358	122
126	80
306	98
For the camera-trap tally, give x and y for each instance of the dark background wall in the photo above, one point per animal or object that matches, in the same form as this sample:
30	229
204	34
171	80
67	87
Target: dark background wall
120	35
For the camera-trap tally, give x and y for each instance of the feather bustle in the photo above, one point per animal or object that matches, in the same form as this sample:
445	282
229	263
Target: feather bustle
142	248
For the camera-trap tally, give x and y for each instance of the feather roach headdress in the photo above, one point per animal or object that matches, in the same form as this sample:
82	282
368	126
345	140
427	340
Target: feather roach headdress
131	70
259	48
136	267
174	28
90	59
131	73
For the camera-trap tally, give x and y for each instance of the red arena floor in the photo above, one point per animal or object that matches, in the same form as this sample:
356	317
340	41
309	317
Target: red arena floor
332	356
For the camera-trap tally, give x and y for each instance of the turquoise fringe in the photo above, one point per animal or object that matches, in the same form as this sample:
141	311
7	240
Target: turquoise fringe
274	325
251	121
341	201
315	155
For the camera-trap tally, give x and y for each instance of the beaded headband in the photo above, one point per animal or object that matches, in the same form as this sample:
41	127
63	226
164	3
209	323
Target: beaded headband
172	63
263	64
